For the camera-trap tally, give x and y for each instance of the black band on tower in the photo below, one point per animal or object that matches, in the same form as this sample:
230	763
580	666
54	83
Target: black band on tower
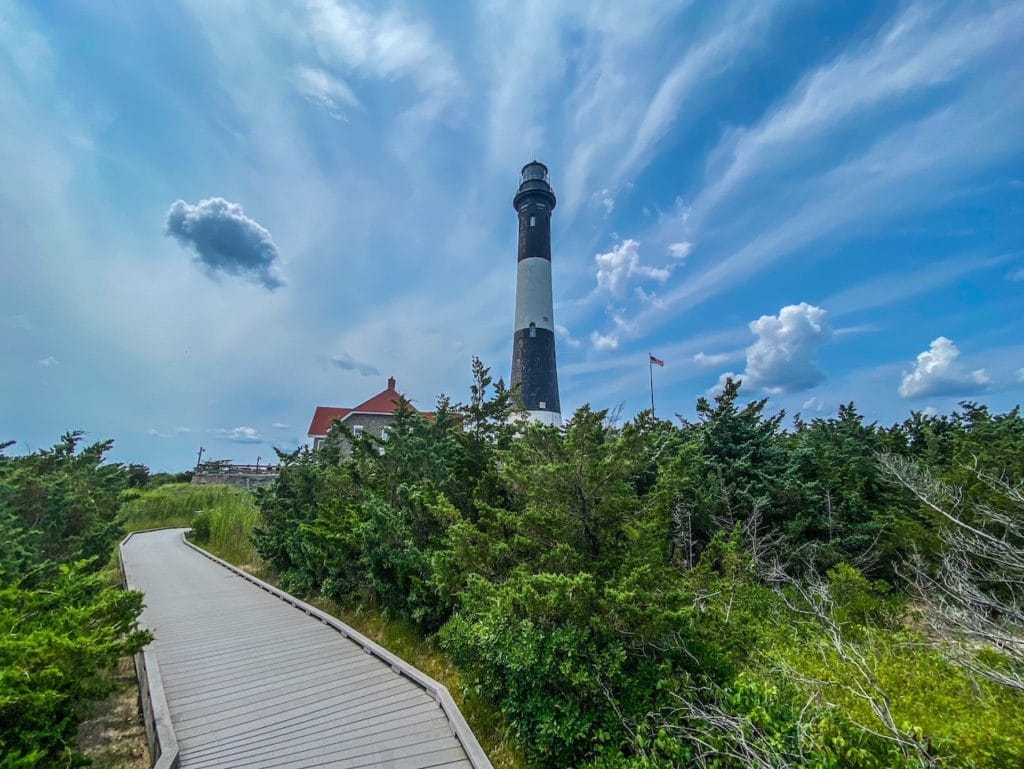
533	369
534	232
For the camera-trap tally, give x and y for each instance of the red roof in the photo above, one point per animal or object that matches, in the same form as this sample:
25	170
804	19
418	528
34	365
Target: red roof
384	402
323	418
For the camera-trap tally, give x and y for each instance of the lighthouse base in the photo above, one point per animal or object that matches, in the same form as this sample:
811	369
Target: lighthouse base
552	418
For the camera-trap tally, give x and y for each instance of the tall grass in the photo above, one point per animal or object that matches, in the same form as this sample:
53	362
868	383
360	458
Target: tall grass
223	516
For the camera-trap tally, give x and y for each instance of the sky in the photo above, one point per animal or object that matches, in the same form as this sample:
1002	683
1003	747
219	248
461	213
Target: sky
216	216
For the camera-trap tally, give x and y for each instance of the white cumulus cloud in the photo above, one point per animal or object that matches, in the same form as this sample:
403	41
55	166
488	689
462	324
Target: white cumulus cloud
604	343
680	250
783	357
616	267
48	361
782	360
937	372
565	335
814	404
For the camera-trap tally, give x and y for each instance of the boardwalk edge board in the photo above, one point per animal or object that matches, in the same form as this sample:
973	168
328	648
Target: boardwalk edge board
436	690
163	743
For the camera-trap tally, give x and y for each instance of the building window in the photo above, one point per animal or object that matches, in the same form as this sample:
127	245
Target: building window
543	404
533	329
533	220
357	430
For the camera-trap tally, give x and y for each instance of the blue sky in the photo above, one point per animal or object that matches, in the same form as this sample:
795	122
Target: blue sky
215	216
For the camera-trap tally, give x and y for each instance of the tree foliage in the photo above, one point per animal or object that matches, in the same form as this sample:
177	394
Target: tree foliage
725	592
64	627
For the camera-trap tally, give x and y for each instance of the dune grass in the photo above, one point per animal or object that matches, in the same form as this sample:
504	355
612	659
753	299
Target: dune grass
222	516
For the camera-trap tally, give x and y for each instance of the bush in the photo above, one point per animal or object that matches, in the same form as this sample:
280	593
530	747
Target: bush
201	527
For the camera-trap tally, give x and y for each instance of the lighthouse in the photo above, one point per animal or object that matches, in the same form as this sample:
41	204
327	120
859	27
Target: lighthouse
533	345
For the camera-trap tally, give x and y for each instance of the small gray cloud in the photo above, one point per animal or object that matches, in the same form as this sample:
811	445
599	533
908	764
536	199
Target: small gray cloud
346	362
48	361
279	426
225	240
1016	275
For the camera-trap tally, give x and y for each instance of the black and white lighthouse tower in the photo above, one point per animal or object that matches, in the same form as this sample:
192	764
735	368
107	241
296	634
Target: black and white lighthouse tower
533	347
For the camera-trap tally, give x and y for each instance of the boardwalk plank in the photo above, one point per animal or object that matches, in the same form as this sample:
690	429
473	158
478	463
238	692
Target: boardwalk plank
251	681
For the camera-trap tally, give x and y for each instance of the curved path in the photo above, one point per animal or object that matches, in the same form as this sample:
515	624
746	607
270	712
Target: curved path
252	681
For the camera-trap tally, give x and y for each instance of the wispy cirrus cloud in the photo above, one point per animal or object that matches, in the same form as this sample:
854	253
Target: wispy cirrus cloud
738	28
711	359
385	45
326	90
900	172
924	46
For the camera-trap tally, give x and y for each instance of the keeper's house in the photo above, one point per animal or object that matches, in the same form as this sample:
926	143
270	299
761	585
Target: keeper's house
371	417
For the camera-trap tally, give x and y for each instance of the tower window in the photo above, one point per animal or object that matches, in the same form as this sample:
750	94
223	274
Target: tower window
533	329
533	220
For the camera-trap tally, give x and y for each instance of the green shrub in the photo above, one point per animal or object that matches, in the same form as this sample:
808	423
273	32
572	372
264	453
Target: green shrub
56	653
201	527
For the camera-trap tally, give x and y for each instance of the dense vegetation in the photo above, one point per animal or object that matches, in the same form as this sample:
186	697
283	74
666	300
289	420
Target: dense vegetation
728	592
723	592
64	626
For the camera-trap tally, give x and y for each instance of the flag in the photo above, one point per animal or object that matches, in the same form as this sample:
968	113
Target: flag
657	361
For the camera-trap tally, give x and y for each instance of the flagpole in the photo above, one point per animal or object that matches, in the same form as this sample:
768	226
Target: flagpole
650	370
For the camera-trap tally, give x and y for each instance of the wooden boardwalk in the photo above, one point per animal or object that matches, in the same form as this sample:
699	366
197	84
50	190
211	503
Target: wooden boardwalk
253	681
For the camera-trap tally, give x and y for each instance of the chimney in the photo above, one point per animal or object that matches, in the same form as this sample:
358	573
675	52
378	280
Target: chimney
391	383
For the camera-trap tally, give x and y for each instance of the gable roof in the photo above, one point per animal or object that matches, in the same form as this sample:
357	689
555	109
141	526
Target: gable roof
323	418
384	402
